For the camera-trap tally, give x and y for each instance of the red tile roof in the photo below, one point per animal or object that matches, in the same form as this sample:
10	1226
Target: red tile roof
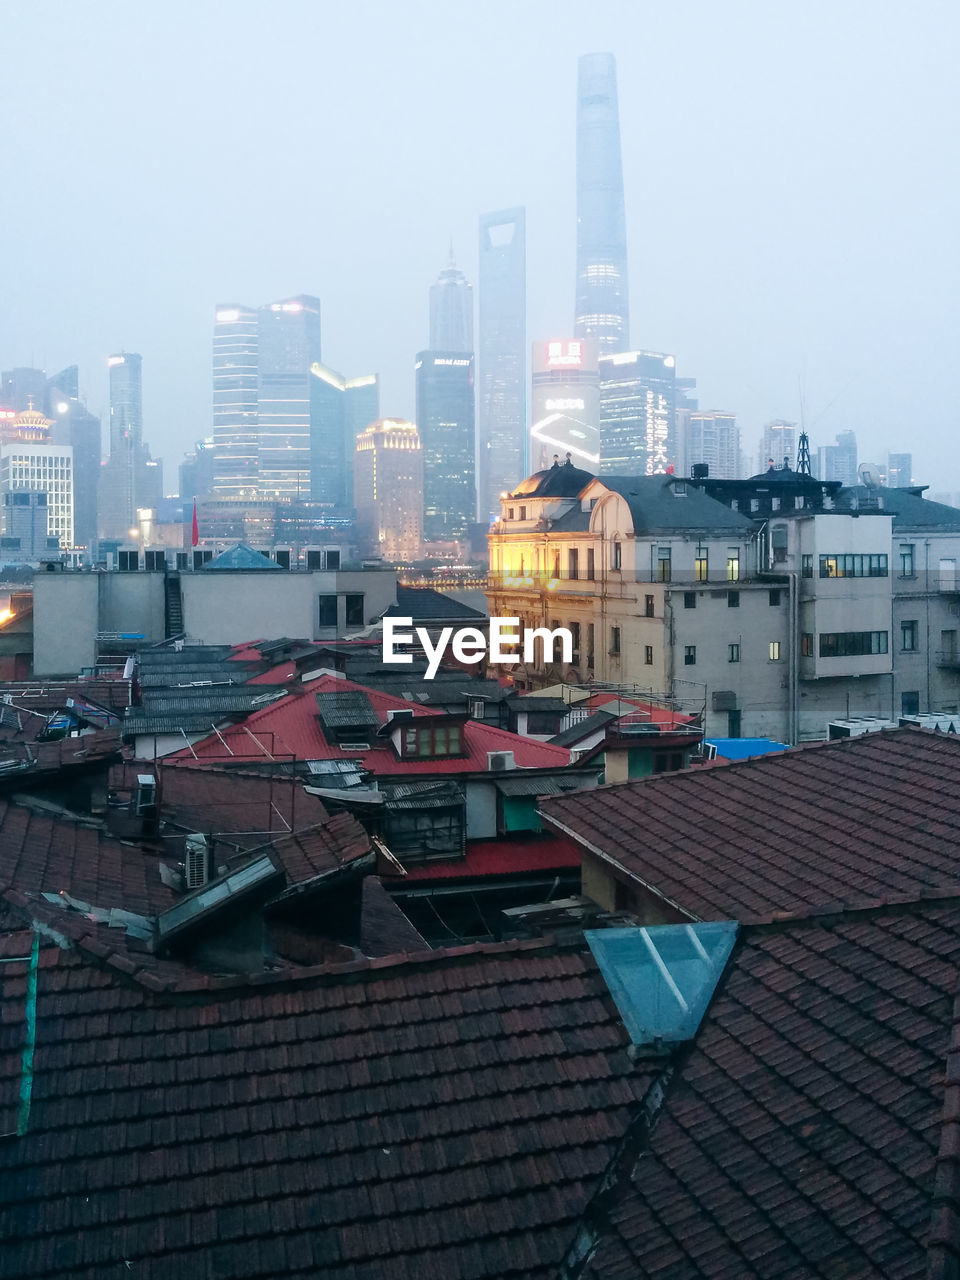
446	1116
801	1136
292	727
853	821
522	853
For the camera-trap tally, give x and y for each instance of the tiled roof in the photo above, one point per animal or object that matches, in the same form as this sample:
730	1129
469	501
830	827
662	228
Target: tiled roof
444	1116
423	604
852	821
292	726
655	506
909	510
801	1136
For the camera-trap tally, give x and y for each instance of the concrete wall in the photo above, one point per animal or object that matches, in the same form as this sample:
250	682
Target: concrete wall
65	613
132	602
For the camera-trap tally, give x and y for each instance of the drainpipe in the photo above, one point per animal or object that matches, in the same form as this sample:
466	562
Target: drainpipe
926	597
794	716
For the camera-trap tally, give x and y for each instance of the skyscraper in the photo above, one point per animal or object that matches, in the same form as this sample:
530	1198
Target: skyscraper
838	461
566	403
119	477
74	425
388	489
30	463
288	343
713	438
899	470
451	311
236	457
637	411
340	408
602	307
778	444
23	388
501	357
445	418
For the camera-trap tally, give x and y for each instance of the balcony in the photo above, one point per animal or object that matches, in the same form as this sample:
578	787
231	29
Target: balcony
948	659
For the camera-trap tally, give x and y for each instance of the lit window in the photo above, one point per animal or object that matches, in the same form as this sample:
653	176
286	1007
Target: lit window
774	650
733	653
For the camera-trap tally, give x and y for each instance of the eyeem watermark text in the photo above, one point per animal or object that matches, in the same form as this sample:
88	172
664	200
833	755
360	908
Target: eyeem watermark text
468	644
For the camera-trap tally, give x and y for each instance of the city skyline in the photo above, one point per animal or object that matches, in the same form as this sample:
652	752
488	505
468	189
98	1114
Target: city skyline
709	276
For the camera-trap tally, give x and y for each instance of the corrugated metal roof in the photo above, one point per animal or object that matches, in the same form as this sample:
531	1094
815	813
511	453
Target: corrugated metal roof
351	709
544	785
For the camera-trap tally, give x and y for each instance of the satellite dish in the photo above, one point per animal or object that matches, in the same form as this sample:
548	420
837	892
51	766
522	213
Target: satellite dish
869	473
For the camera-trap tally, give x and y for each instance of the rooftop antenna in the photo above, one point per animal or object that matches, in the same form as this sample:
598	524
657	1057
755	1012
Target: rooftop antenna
803	454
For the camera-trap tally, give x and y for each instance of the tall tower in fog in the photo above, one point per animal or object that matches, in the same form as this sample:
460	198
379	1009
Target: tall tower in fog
451	311
501	358
602	307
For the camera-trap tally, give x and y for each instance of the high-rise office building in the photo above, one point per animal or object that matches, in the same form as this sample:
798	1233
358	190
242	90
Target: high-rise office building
30	463
23	388
714	438
388	489
451	311
602	307
197	471
119	477
899	470
778	444
637	413
288	343
839	461
501	358
74	425
340	408
445	419
25	537
236	455
565	403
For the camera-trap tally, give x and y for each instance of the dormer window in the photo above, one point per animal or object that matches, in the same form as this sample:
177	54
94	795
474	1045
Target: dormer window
680	489
427	741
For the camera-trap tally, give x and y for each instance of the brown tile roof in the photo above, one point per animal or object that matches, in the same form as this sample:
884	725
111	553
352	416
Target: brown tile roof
444	1116
854	821
800	1138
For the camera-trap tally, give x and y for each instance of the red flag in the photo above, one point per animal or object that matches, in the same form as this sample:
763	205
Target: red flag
195	535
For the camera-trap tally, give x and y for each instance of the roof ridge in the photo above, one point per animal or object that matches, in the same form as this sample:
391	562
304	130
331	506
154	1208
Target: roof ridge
866	909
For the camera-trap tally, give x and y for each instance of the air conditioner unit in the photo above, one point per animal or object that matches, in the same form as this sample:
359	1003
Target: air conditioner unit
499	761
196	861
145	796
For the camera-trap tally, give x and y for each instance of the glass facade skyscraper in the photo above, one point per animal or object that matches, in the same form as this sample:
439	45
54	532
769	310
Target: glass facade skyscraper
602	305
340	408
288	343
236	452
451	311
637	413
445	419
501	358
566	403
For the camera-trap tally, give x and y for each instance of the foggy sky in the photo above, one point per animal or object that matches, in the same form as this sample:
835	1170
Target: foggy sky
791	185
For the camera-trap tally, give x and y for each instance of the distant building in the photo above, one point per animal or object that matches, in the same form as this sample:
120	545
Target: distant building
23	388
501	358
637	413
900	470
602	303
713	438
197	471
566	402
777	444
388	489
74	425
31	464
236	454
340	408
445	419
288	344
130	479
839	461
25	538
451	311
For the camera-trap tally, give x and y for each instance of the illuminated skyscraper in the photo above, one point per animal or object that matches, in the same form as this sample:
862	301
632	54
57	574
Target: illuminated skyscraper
388	489
451	311
236	455
566	403
778	444
713	438
123	477
637	413
445	419
74	425
602	307
340	408
288	343
501	358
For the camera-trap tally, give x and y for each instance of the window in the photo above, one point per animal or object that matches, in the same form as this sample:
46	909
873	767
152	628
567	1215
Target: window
689	599
354	611
852	644
680	489
573	564
778	544
806	566
853	566
910	703
806	645
509	513
773	650
908	636
774	504
734	504
575	637
690	655
590	645
591	571
733	724
907	561
615	640
556	565
616	561
328	611
774	597
648	607
523	513
733	564
701	570
754	505
648	655
733	652
663	564
331	560
733	599
426	740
